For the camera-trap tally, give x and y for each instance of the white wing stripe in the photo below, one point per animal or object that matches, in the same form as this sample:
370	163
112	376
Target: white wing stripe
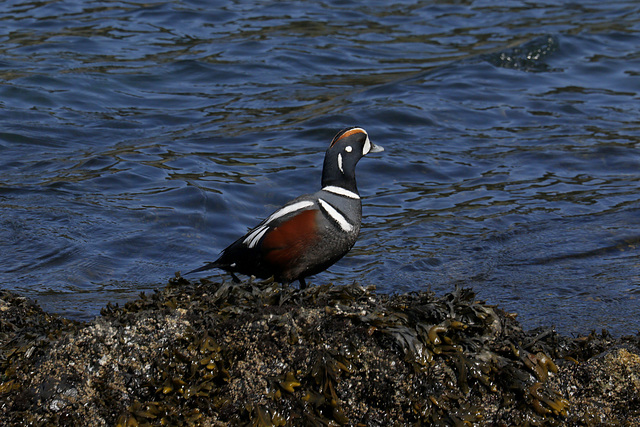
341	191
335	215
255	236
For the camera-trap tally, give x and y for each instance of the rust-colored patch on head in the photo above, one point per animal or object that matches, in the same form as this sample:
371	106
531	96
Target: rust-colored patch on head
345	134
285	244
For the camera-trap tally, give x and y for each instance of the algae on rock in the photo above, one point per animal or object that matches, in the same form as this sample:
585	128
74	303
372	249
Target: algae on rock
263	354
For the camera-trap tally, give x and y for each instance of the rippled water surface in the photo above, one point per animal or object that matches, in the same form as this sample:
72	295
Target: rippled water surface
140	138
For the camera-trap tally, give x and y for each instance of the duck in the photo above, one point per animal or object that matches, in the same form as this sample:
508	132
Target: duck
311	232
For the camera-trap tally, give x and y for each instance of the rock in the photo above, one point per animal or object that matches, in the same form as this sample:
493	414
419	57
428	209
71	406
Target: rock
262	354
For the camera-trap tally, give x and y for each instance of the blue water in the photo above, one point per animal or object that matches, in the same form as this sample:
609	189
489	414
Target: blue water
138	139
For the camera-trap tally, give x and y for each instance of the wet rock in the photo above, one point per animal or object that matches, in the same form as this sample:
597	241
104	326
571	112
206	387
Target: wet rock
604	389
262	354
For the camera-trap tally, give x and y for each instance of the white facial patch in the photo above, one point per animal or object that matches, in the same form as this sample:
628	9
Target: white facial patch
367	146
335	215
348	148
340	162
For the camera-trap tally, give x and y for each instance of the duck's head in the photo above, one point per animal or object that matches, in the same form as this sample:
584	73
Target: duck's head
346	149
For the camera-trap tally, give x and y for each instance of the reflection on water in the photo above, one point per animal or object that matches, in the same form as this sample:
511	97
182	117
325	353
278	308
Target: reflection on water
139	139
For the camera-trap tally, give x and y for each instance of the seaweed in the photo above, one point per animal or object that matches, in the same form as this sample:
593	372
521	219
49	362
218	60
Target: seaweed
262	354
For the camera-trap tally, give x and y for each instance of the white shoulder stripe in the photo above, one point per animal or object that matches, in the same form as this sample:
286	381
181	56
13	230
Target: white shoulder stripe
289	209
335	215
341	191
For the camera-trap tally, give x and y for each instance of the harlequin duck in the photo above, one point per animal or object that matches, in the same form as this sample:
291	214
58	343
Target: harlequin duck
312	232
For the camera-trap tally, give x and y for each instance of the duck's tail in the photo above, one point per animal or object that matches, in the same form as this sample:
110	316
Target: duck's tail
205	267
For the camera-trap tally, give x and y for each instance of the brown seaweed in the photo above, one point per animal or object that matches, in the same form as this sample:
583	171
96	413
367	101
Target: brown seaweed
261	354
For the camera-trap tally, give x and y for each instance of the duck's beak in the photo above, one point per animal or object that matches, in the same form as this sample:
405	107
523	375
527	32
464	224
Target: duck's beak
376	148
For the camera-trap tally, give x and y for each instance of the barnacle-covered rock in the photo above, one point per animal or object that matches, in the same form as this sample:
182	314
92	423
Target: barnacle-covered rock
266	355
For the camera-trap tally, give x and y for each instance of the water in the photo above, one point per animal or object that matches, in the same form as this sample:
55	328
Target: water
138	139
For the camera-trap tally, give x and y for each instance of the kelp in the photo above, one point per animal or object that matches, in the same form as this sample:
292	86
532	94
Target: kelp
263	354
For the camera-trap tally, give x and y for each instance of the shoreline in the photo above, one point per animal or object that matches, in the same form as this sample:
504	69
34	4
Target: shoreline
205	353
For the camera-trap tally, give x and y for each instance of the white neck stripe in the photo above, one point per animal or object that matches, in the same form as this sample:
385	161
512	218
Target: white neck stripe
341	191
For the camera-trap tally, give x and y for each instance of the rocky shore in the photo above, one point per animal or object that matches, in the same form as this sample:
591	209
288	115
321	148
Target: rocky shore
262	354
